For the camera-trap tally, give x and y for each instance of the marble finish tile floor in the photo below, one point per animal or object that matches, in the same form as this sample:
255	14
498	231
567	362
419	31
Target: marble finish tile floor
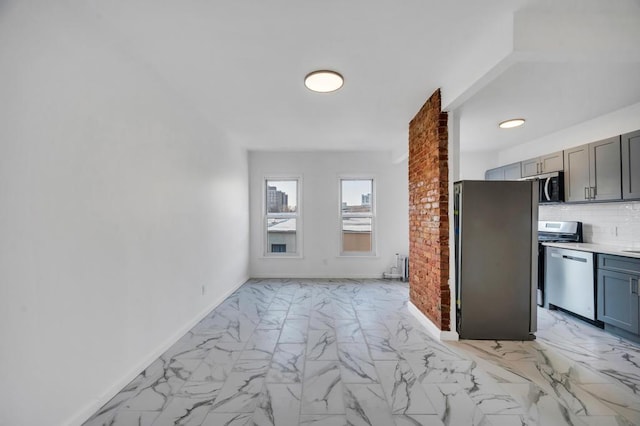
348	352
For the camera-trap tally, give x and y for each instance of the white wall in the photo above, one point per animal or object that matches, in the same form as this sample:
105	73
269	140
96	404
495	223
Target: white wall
320	173
117	207
474	164
615	123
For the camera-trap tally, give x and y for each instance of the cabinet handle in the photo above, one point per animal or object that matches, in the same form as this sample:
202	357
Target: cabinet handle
587	193
592	193
633	286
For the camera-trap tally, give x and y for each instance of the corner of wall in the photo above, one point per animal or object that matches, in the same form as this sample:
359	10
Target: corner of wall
432	329
91	407
429	212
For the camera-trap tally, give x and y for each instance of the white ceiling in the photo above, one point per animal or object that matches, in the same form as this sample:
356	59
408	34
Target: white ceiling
241	65
551	96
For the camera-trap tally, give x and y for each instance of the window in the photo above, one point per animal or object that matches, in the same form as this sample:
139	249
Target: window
278	248
281	217
356	217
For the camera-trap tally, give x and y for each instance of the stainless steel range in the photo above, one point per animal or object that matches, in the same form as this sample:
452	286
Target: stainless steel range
554	232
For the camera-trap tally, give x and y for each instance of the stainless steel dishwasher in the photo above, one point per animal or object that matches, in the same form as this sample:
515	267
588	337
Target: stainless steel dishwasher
569	281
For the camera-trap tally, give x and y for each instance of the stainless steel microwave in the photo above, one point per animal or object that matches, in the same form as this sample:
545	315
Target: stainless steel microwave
550	187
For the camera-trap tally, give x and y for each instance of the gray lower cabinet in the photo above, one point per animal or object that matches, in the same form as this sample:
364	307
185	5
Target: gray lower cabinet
508	172
631	166
618	301
593	171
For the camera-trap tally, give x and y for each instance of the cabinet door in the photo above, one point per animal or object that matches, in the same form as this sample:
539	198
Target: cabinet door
512	171
552	162
631	166
576	173
605	169
530	167
494	174
617	302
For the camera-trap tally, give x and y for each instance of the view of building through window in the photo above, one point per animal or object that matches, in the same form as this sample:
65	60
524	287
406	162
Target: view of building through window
356	197
356	216
282	196
281	216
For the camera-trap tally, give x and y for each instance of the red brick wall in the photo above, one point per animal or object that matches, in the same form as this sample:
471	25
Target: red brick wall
428	212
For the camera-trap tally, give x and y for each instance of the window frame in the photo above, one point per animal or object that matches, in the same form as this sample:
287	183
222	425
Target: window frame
296	215
372	215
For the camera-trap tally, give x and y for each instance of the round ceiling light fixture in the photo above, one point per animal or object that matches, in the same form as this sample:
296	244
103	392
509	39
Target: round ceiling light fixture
510	124
323	81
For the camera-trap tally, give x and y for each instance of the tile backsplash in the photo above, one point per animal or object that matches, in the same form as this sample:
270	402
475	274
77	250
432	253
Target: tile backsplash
602	223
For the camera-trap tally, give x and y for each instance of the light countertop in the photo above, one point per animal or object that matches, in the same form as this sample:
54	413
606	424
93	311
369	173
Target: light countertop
598	248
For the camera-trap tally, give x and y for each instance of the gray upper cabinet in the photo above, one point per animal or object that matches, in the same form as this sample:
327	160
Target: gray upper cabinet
512	171
494	174
552	162
576	173
604	158
508	172
593	171
531	167
631	165
545	164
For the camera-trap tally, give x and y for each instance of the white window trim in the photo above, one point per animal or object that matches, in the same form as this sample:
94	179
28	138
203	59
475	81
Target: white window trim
374	239
298	215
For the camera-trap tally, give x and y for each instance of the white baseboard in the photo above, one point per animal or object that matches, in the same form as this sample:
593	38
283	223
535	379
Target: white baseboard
430	326
320	276
83	414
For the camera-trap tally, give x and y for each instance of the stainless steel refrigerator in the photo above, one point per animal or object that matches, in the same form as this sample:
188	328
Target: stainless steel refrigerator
496	257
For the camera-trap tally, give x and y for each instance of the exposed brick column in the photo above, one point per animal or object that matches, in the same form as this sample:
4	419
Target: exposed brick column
428	212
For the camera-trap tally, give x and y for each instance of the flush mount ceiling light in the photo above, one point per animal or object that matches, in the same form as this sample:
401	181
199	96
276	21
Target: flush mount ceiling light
323	81
510	124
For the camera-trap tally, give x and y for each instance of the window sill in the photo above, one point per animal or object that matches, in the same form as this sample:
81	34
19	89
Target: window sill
282	256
